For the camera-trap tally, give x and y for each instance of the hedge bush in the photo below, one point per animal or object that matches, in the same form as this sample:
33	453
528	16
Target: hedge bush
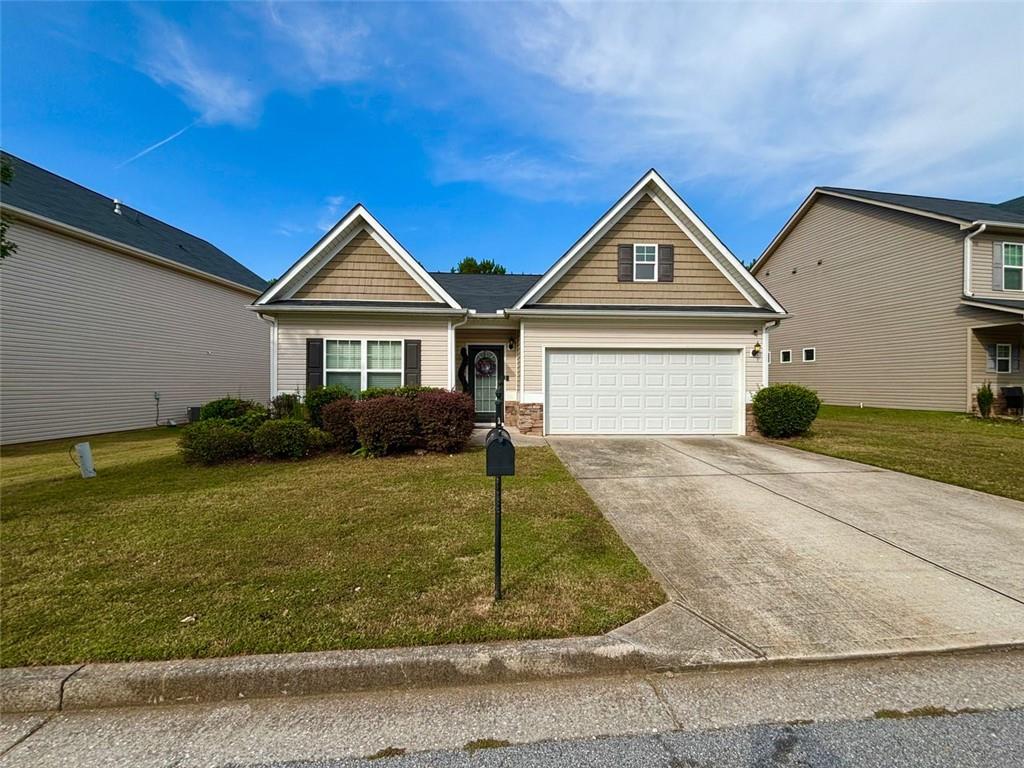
320	440
226	408
251	420
985	397
384	425
406	392
286	439
316	399
785	410
287	405
445	420
337	420
214	441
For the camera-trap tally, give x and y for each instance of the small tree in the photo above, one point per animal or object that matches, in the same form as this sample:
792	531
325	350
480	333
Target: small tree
470	266
6	177
985	400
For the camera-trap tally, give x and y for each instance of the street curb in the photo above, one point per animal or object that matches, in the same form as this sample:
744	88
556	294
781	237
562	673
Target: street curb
93	686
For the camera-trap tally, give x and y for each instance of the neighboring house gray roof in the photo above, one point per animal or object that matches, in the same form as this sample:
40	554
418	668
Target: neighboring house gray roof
485	293
38	191
1010	212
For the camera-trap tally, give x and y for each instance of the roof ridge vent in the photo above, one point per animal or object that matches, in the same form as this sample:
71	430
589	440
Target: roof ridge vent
117	206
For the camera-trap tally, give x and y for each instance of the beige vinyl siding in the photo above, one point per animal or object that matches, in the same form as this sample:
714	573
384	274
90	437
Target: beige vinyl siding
979	341
88	334
981	266
594	278
363	270
464	336
623	333
882	308
294	329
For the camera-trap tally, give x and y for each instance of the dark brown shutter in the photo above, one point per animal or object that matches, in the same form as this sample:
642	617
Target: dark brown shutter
314	364
666	263
412	362
626	263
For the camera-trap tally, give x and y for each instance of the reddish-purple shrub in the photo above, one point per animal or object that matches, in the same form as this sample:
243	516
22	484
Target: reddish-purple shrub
446	420
337	419
384	424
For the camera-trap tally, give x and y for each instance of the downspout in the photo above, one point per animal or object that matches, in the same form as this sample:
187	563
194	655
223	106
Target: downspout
451	348
273	352
967	257
766	349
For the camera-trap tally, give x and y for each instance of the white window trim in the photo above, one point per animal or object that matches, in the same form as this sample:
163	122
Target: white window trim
782	354
1008	357
645	279
364	369
1014	267
814	355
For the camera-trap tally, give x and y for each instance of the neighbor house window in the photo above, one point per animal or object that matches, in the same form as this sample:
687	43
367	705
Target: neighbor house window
358	365
645	263
1013	266
809	354
1004	358
785	356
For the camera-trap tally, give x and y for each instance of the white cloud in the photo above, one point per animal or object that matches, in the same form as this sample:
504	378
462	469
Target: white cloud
775	98
330	212
326	40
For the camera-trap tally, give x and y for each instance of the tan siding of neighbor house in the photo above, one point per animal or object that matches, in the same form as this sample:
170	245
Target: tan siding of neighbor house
623	333
981	266
594	278
500	336
89	334
877	293
294	329
363	270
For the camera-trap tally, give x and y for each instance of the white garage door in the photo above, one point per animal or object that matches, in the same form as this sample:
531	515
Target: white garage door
633	392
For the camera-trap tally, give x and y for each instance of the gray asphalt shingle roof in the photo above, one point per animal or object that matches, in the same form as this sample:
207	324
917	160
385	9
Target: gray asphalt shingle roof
43	193
965	210
485	293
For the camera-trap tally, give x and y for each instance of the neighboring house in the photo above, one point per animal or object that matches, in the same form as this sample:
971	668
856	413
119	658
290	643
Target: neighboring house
102	306
647	324
898	301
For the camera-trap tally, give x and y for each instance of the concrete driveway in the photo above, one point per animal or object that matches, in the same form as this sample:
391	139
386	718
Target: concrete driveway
767	551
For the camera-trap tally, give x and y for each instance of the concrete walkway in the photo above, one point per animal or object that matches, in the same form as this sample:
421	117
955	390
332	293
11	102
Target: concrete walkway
771	552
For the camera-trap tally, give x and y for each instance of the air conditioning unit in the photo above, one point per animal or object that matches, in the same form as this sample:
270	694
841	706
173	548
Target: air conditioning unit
193	414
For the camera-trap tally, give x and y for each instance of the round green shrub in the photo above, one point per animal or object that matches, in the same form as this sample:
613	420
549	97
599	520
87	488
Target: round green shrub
384	425
317	398
214	441
337	420
320	440
985	399
251	420
226	408
287	405
282	439
445	420
785	410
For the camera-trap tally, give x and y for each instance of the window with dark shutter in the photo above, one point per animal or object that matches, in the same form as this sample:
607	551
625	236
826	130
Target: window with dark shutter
666	263
412	362
626	263
314	364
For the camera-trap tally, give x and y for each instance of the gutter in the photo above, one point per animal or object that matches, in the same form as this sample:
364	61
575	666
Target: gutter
982	226
641	313
273	309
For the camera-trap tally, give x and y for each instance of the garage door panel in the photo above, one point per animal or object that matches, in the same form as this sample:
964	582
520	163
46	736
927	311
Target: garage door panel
647	392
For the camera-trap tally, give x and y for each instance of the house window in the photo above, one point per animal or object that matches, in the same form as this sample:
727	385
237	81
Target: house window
645	263
810	354
358	365
1004	357
1013	266
785	356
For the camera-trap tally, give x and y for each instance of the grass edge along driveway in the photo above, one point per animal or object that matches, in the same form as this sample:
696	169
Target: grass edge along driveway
982	454
154	559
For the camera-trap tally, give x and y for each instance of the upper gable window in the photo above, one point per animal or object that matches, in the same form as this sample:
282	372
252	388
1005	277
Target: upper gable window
645	262
1013	266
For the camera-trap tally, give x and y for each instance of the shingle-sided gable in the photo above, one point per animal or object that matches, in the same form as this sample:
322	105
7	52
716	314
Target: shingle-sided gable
362	270
593	279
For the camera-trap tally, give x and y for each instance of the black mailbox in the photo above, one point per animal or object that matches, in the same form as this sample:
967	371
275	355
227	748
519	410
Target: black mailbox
501	453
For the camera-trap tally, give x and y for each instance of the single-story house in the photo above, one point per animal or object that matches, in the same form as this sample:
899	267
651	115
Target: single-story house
111	319
898	301
646	325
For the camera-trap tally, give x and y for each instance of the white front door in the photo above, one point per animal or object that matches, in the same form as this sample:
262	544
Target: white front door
643	392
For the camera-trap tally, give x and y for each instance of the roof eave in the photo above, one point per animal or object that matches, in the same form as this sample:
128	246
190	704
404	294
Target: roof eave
706	314
271	309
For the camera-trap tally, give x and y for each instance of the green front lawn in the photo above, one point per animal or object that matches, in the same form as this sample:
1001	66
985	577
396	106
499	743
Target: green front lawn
333	552
950	447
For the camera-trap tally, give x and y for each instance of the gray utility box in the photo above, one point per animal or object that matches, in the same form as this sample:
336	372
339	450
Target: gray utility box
501	453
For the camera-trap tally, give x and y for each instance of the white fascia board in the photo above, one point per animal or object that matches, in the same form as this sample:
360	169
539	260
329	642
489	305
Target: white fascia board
537	312
428	309
326	247
993	224
117	245
976	302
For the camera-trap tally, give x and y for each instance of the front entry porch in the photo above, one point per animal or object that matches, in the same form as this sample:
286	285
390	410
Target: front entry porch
995	353
486	359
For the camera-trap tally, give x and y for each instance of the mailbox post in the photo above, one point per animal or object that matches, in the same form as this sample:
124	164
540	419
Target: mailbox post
501	462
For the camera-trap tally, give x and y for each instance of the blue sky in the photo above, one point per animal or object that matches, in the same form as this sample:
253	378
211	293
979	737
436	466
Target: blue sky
505	130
